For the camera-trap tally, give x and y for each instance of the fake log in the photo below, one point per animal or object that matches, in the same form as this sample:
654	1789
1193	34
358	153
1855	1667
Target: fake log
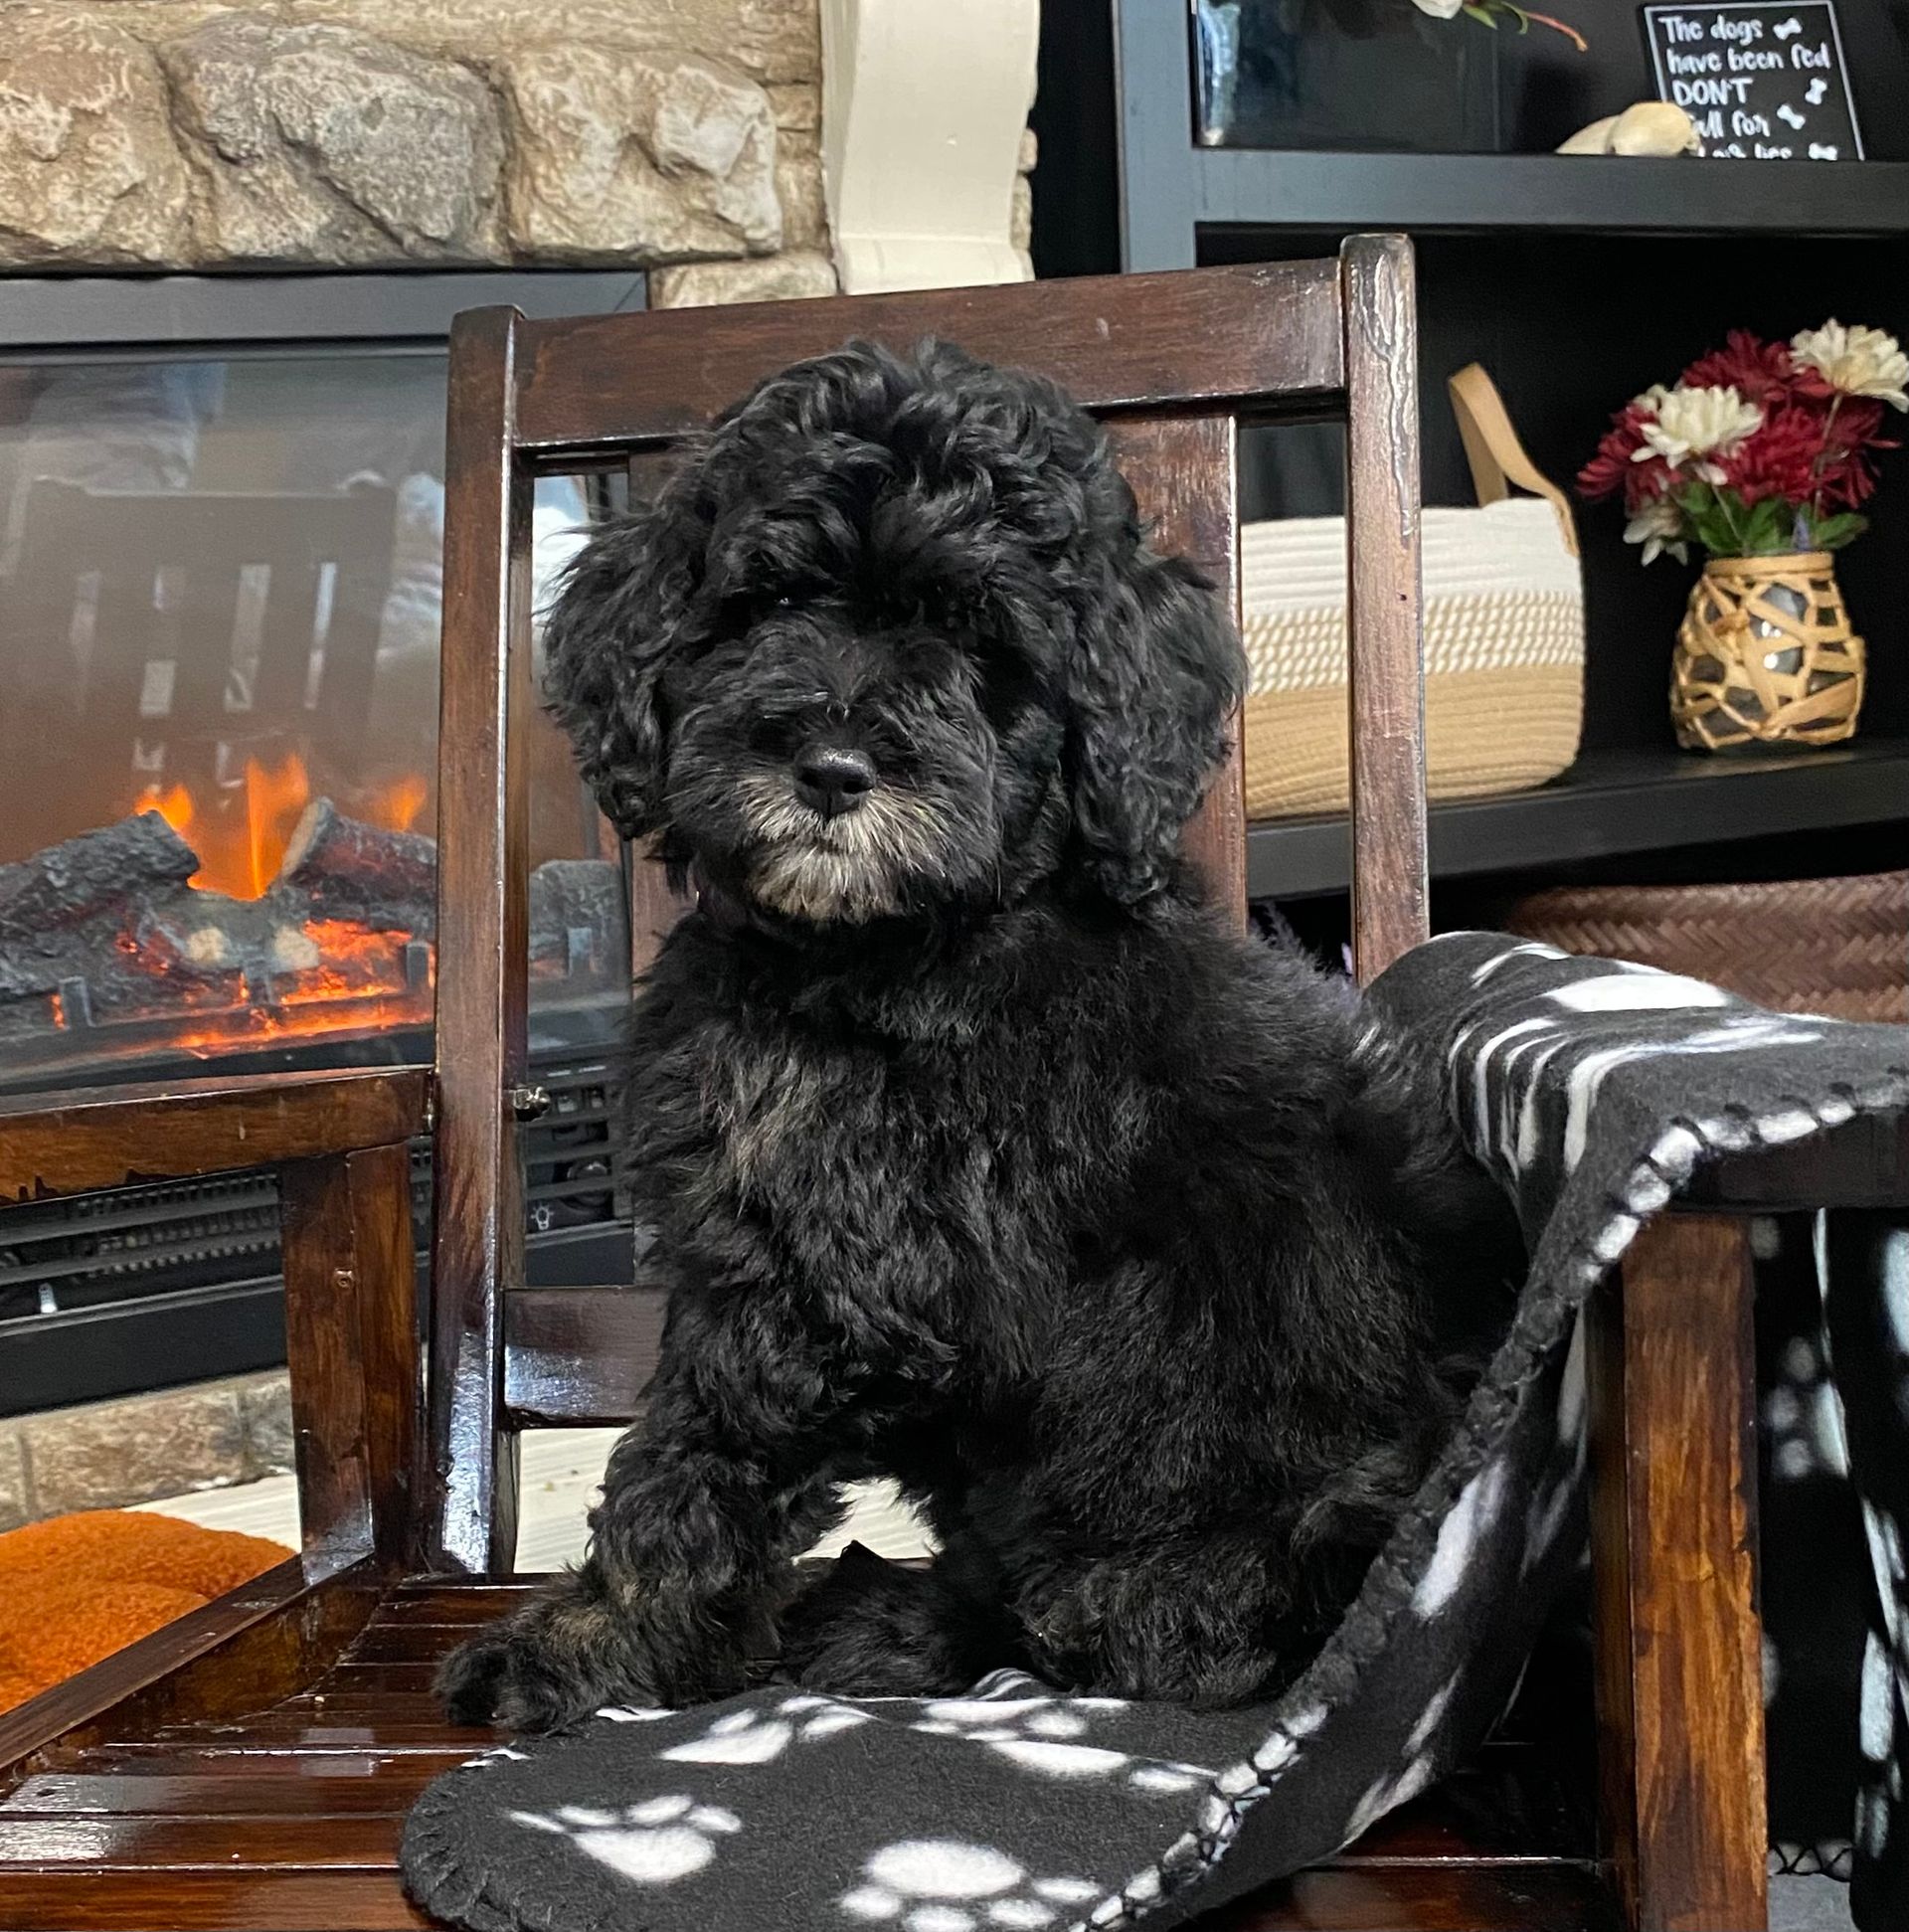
133	862
341	868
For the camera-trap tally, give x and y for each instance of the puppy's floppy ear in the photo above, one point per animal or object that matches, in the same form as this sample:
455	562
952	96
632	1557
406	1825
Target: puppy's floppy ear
621	612
1154	675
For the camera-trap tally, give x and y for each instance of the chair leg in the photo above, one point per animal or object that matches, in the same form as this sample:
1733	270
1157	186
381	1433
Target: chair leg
1673	1393
351	1342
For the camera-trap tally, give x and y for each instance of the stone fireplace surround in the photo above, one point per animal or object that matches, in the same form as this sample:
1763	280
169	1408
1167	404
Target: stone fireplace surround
194	136
682	136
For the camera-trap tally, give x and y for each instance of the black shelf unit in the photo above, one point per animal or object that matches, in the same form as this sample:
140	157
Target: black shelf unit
1576	281
1260	188
1616	800
1171	189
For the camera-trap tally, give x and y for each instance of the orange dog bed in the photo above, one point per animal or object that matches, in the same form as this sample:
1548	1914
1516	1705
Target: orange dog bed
78	1588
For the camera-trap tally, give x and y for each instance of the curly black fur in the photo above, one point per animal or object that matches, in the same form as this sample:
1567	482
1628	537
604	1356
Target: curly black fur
980	1155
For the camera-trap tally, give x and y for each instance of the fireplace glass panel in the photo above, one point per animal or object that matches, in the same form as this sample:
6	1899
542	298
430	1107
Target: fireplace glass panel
220	596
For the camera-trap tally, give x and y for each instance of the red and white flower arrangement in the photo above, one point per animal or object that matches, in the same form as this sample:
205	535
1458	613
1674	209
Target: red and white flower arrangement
1760	449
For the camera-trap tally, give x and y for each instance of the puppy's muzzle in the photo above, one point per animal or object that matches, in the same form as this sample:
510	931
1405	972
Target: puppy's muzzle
832	780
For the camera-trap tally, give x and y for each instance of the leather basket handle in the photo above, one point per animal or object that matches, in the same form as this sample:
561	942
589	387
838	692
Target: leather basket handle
1496	456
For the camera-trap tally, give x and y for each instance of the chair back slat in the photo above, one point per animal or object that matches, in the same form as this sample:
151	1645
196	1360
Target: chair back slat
483	888
1174	363
578	1356
1184	474
1386	692
1265	335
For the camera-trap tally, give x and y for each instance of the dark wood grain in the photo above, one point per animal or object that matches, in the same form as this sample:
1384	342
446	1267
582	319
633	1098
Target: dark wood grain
482	912
65	1143
654	909
577	1356
353	1791
1390	897
398	1633
1672	1392
190	1757
1427	1898
1257	337
300	1730
401	1646
427	1600
1511	1805
130	1842
247	1648
1862	1164
1184	474
379	1181
351	1346
209	1902
373	1689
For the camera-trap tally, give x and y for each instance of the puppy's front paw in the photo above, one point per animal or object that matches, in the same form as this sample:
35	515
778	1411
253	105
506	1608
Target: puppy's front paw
552	1665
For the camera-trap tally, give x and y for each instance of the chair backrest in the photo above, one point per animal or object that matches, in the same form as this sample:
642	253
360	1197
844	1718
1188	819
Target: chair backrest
162	576
1173	363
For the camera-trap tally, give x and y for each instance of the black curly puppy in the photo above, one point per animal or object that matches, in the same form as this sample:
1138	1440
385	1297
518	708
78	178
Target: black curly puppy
980	1155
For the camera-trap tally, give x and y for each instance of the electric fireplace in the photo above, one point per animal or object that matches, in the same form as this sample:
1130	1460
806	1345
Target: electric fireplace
219	620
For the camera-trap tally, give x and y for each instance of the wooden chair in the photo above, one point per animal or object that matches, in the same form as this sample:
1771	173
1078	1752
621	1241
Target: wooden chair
250	1765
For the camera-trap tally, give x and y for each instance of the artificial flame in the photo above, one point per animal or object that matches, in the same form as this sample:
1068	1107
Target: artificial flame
396	807
241	839
274	800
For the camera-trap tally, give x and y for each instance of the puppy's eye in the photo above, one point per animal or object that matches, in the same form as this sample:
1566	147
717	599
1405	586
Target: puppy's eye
782	603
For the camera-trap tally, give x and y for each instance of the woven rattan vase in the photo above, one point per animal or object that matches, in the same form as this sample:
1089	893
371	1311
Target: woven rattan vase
1765	655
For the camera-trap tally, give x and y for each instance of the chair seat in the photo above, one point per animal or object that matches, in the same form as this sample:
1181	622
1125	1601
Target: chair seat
287	1819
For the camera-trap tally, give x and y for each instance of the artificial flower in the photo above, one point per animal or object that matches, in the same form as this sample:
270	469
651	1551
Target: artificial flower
1760	449
1848	476
1856	361
1613	469
1758	371
1658	525
1781	460
1700	423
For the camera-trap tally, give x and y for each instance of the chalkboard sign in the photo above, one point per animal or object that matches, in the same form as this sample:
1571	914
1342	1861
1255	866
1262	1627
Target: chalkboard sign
1764	79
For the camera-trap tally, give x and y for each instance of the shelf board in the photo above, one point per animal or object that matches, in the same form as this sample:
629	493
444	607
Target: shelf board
1590	194
1612	802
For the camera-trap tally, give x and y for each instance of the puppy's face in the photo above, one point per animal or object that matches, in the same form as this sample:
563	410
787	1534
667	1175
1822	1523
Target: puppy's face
862	734
890	640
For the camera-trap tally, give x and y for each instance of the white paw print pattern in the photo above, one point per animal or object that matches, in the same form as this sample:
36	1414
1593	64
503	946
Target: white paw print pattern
654	1842
947	1885
757	1737
1043	1731
1467	1523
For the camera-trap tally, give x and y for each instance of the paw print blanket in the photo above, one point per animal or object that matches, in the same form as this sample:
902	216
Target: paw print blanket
1594	1091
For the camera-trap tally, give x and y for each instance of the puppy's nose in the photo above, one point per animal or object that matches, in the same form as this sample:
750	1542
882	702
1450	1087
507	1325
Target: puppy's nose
830	778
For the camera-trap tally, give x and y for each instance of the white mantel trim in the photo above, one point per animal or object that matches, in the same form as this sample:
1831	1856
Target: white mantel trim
924	103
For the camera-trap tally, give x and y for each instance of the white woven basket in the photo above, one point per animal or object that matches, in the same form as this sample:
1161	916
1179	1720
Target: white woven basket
1503	636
